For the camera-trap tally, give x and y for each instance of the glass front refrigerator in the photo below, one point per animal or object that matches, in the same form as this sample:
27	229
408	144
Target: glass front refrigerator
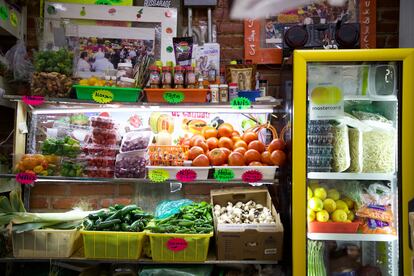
353	162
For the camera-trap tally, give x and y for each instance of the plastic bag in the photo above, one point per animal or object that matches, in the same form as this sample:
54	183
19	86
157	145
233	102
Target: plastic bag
20	65
377	194
169	208
355	150
377	212
373	226
341	157
195	270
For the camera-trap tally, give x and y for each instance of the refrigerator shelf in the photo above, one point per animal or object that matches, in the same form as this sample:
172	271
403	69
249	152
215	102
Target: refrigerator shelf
351	176
351	237
389	98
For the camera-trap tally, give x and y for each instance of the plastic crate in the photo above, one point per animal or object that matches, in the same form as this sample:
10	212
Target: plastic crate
121	94
179	247
333	227
156	95
112	245
46	243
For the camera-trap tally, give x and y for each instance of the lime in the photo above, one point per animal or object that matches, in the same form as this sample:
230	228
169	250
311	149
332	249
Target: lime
339	216
349	202
329	205
351	216
322	216
320	193
315	204
311	215
310	193
334	194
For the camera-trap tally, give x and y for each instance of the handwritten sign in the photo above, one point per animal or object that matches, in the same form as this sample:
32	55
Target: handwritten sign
223	175
177	244
102	96
26	178
4	12
240	103
186	175
33	100
158	175
173	97
252	176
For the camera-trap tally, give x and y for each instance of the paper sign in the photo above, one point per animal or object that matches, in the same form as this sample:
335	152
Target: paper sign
26	178
326	103
158	175
223	175
13	19
102	96
186	175
252	176
177	244
4	13
173	97
240	103
33	100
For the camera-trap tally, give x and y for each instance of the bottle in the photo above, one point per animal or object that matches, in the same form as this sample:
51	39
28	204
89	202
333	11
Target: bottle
178	77
200	82
190	78
263	88
166	77
154	78
224	93
233	93
215	93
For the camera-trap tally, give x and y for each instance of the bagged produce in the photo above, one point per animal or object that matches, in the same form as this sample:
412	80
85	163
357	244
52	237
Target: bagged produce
355	150
341	157
373	226
169	208
19	64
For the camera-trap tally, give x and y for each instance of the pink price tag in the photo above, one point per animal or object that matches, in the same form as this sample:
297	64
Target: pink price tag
186	175
26	178
33	100
252	176
177	244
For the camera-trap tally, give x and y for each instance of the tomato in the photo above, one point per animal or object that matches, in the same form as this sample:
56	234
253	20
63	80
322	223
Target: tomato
235	133
266	158
212	143
278	158
195	138
241	150
226	151
202	144
249	136
257	145
217	157
225	142
276	144
209	131
252	155
236	138
194	152
201	161
225	130
255	163
240	144
236	159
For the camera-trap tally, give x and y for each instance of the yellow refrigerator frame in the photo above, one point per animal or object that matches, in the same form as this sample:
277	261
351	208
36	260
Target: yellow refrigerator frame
299	219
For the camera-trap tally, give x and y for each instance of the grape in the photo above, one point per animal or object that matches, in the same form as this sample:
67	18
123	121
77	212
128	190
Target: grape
130	166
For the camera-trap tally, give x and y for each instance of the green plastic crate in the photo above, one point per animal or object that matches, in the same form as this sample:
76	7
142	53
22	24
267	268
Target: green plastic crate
121	94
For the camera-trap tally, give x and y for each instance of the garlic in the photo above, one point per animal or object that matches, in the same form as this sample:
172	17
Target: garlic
239	204
217	207
237	212
259	206
230	204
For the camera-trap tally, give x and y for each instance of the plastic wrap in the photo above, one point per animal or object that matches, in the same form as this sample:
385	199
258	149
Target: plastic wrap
169	208
19	64
355	150
341	156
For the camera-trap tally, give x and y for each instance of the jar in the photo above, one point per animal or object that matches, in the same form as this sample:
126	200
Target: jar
215	93
233	93
179	77
154	78
125	70
190	77
224	93
126	82
166	77
263	88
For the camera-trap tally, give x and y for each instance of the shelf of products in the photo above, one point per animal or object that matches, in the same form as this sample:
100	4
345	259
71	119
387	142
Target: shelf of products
351	237
351	176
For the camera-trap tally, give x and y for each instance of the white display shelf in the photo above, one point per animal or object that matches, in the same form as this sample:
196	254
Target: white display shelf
351	237
391	98
351	176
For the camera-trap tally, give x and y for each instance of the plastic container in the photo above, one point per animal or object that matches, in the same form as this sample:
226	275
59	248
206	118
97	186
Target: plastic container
102	122
201	172
131	164
251	95
100	161
113	245
105	136
319	127
321	140
136	140
104	172
155	95
121	94
179	247
46	243
167	155
333	227
125	70
100	150
126	82
268	172
320	150
319	163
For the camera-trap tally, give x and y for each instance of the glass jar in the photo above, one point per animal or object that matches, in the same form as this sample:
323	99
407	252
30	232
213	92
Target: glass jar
126	82
190	77
154	77
166	77
224	93
179	77
125	70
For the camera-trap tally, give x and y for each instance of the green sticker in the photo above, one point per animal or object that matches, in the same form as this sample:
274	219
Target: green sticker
13	19
170	49
102	96
173	97
4	13
240	103
158	175
223	175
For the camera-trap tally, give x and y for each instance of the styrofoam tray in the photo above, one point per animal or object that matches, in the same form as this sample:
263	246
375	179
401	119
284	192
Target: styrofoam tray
202	172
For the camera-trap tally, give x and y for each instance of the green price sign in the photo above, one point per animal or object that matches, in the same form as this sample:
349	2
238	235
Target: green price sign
173	97
4	13
223	175
240	103
102	96
158	175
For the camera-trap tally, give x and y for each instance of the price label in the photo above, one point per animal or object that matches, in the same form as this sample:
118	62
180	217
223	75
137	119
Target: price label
4	12
173	97
102	96
223	175
177	244
33	100
240	103
186	175
26	178
158	175
13	19
252	176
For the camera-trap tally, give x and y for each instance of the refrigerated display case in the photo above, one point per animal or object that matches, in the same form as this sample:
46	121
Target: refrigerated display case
352	117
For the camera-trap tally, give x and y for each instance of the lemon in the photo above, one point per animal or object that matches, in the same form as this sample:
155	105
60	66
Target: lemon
351	216
349	202
334	194
329	205
339	216
311	215
92	81
341	205
315	204
84	82
310	193
320	193
313	185
322	216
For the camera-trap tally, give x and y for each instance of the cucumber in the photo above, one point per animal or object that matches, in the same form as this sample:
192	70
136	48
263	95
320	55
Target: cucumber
107	224
115	215
128	208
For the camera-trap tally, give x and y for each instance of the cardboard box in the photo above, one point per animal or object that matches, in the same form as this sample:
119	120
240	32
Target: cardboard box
247	241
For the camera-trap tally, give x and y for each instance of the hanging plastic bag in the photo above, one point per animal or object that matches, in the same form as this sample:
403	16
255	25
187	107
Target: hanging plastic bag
19	64
169	208
341	157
